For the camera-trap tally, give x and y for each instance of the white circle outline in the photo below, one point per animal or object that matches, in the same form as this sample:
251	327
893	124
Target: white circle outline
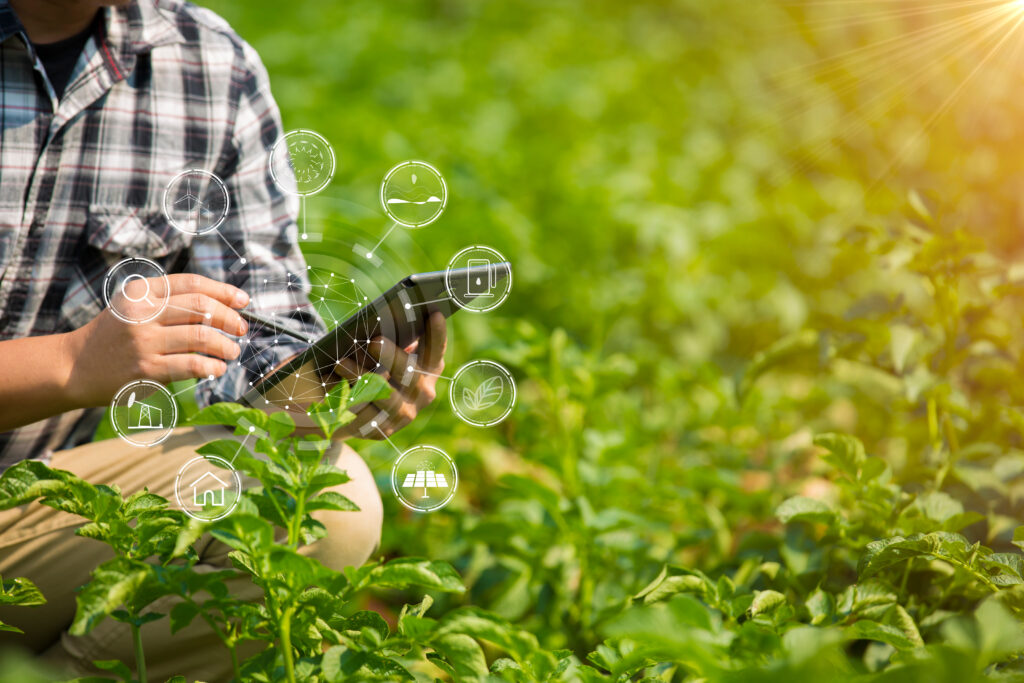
234	475
219	183
455	379
274	151
451	492
163	390
444	199
163	302
459	302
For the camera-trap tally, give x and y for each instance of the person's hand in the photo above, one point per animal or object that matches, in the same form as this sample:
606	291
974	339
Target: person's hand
412	373
107	352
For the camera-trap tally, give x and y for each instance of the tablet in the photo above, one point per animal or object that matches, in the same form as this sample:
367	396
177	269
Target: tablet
399	314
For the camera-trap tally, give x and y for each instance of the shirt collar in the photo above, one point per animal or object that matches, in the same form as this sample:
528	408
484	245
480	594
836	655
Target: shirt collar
139	27
9	24
131	29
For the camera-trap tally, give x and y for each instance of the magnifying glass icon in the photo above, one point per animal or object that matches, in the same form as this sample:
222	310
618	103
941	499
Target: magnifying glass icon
145	293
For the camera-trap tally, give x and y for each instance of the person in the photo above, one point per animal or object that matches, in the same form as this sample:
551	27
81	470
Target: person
102	103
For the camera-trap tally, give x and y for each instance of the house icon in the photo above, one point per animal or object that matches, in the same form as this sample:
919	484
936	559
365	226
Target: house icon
211	492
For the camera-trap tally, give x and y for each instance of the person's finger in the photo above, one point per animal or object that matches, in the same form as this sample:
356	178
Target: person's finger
435	342
386	415
185	283
198	339
189	366
392	359
200	309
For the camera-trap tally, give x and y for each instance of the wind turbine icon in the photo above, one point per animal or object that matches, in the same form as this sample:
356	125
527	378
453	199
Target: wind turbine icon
194	205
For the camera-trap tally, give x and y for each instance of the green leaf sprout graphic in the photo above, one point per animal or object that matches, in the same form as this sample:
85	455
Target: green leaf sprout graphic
486	394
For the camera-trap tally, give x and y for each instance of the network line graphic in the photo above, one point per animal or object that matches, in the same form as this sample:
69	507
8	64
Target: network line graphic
289	319
331	297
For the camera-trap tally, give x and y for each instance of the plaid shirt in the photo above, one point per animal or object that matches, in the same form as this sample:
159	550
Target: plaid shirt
163	86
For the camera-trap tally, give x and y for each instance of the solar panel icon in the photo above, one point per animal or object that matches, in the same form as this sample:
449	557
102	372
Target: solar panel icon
424	479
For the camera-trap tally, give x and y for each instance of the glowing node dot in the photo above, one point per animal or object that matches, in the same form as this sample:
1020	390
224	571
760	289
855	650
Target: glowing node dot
304	236
409	369
209	377
252	429
369	254
353	280
207	316
408	305
373	424
378	318
243	261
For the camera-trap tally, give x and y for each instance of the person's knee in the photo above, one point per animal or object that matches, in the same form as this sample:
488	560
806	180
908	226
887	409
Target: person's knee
352	537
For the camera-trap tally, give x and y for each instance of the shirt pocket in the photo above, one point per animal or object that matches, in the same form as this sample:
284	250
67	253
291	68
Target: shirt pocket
112	234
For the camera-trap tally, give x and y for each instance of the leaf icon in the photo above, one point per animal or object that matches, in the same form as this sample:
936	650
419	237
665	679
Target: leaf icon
486	394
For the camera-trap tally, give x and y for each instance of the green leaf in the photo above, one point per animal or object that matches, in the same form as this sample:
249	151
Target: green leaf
766	602
140	502
368	388
20	591
673	580
407	572
482	625
331	500
992	634
463	654
114	583
229	414
29	480
182	615
116	667
884	553
844	452
802	509
872	630
1018	537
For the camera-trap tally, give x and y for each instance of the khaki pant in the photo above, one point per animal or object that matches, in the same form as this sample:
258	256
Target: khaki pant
40	543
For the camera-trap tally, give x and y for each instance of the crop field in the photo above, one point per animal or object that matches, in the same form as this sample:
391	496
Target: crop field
765	326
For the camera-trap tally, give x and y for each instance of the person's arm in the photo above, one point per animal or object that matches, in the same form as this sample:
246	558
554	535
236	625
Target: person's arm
48	375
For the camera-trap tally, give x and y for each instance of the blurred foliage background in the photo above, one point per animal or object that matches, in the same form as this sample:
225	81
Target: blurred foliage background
733	225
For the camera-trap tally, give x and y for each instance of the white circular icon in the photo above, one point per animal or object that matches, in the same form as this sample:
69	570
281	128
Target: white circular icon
413	194
478	279
482	393
207	488
136	290
143	413
302	162
196	201
424	478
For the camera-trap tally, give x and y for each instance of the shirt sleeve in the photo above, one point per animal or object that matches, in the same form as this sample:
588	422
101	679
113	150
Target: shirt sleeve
257	249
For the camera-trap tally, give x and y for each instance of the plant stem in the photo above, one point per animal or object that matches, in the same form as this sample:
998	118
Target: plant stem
286	644
140	659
